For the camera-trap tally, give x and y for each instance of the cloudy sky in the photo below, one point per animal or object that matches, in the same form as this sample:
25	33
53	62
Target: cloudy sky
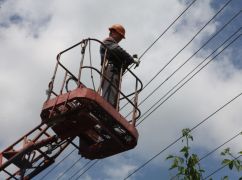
32	33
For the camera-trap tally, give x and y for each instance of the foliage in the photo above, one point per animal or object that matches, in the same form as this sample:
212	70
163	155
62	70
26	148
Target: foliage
188	167
231	161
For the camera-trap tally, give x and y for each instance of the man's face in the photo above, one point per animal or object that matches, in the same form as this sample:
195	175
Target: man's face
116	36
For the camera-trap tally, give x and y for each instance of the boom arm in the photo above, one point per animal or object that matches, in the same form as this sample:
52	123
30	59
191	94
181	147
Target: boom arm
32	153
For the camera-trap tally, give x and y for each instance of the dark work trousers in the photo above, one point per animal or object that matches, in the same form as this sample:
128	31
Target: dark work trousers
109	92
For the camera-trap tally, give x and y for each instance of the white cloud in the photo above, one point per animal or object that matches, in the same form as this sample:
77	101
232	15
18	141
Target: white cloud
119	172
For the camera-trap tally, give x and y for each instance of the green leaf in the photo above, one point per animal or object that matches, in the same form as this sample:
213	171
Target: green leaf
169	157
222	154
226	151
240	152
185	132
195	157
190	137
184	149
231	165
174	164
226	161
181	160
181	170
240	168
225	178
237	165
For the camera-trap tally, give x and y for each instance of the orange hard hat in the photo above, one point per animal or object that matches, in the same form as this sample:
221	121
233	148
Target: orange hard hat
118	28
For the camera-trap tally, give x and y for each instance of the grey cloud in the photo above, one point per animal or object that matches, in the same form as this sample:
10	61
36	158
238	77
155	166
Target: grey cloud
32	20
16	19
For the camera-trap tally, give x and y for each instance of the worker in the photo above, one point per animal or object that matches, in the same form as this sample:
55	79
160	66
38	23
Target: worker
117	61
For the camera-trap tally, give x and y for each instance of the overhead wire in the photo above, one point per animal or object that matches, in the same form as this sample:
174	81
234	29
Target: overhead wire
80	169
140	121
155	41
146	50
178	17
186	45
78	160
87	169
232	138
221	9
211	152
220	30
219	169
178	139
56	165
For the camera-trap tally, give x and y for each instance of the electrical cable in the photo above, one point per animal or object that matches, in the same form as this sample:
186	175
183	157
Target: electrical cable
208	154
87	169
219	169
167	29
189	42
147	49
57	164
140	121
192	56
69	168
80	169
174	142
220	30
223	7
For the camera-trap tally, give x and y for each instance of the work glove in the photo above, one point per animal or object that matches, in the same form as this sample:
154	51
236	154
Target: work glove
136	60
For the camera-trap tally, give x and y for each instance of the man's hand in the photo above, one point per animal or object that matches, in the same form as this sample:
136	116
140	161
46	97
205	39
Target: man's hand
136	60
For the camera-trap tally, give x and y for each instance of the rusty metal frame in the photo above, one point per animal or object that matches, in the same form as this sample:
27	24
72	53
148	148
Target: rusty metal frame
31	153
83	45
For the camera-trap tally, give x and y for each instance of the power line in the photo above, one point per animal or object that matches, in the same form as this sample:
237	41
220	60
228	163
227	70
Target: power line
219	169
224	6
190	77
152	44
167	29
174	142
80	169
191	56
87	169
208	154
78	160
57	164
220	30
